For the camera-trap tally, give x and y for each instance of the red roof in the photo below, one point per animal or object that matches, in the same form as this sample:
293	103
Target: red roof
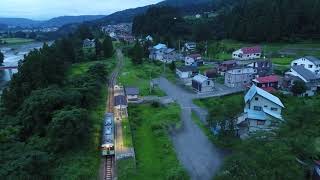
251	50
267	79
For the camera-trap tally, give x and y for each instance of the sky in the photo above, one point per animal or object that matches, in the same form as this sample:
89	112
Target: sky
46	9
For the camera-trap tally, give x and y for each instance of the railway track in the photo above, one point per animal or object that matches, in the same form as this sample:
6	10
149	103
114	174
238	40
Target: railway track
109	164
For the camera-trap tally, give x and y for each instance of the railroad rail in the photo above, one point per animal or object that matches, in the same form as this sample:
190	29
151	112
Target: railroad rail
109	163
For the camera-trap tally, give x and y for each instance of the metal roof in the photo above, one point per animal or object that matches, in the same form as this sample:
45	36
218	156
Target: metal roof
132	90
200	78
187	68
160	46
255	90
305	73
313	59
120	100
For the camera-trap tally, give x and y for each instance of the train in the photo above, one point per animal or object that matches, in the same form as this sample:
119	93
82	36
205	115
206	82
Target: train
107	143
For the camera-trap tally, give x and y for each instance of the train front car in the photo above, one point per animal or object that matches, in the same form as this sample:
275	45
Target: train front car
107	145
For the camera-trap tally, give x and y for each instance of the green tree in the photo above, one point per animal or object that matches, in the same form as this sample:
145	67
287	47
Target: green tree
172	66
137	53
299	87
99	49
107	47
1	57
68	128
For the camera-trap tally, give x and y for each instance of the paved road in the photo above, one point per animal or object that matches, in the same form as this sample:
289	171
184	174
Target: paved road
198	155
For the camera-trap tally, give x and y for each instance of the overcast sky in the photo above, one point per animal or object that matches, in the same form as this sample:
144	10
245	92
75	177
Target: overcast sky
45	9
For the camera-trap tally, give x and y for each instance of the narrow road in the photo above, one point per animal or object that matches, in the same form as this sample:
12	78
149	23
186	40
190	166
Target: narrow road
197	154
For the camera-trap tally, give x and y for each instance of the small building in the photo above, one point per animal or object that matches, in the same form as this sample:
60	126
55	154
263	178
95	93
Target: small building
316	171
193	60
190	47
226	66
212	73
149	38
309	62
262	112
267	83
87	43
311	79
185	72
202	84
132	93
239	77
247	53
263	67
121	105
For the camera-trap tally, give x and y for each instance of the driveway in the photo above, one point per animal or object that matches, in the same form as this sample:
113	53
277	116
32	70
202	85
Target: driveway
199	156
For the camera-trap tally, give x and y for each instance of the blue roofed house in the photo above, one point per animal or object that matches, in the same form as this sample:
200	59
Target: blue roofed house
262	112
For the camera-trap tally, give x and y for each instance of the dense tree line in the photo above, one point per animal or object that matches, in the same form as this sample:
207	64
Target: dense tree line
244	20
43	112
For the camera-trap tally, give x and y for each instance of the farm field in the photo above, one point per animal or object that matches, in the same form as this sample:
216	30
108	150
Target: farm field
11	41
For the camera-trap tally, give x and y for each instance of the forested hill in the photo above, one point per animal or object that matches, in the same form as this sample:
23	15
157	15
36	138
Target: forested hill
245	20
260	20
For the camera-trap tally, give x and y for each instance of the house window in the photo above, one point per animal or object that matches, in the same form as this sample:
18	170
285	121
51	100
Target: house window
295	64
310	66
256	98
208	83
274	109
260	122
265	106
257	108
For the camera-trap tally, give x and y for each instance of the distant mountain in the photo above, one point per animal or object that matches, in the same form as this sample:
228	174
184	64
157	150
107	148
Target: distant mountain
54	22
129	14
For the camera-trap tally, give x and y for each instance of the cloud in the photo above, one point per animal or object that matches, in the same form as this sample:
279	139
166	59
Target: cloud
44	9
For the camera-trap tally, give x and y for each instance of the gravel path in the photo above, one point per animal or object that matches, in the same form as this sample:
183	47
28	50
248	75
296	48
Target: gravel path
198	155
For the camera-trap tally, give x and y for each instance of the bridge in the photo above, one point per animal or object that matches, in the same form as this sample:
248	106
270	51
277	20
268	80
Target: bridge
8	67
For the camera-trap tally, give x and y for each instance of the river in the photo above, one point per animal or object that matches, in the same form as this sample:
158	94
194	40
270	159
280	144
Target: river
12	55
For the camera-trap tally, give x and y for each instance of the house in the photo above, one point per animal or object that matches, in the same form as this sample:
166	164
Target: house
239	77
267	83
162	53
193	60
185	72
226	65
190	46
262	111
311	79
202	84
309	62
149	38
247	53
263	67
212	73
87	43
132	93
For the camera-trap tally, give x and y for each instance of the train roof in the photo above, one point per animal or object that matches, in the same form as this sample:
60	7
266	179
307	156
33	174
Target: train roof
108	129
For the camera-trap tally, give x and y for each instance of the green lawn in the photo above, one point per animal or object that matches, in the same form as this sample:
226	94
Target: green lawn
140	76
155	156
282	60
84	163
11	41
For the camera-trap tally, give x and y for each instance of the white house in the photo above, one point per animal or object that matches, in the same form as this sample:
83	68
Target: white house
186	72
132	93
192	59
202	84
262	112
309	62
149	38
239	77
247	53
88	43
190	46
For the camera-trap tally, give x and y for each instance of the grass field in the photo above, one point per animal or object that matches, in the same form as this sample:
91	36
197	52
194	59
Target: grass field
84	163
127	140
155	156
140	76
10	41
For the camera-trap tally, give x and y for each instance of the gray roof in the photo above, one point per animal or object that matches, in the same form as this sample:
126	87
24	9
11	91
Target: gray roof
200	78
131	91
187	68
313	59
305	73
255	90
120	100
